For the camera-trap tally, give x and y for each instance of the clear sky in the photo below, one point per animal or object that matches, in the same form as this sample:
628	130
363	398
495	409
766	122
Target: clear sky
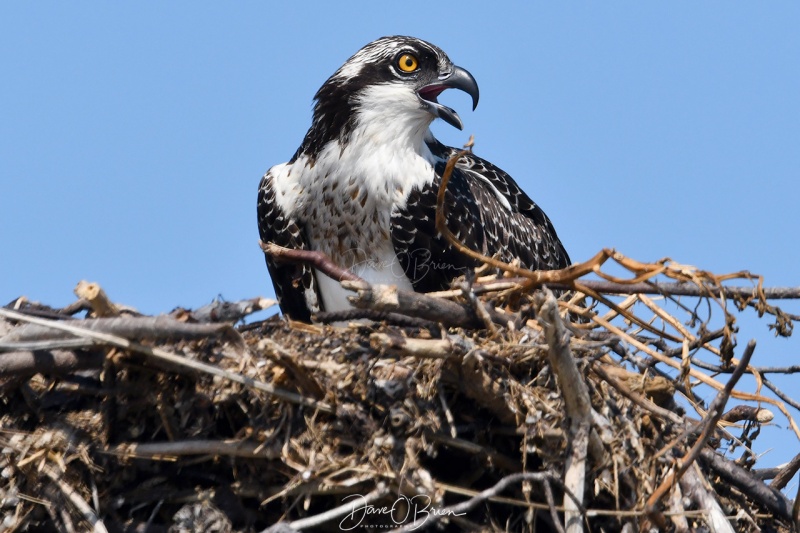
133	135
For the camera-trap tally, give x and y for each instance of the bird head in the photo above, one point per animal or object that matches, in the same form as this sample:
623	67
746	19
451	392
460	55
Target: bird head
393	79
404	71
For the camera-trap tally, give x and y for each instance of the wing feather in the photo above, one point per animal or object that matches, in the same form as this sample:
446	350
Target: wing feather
295	285
486	210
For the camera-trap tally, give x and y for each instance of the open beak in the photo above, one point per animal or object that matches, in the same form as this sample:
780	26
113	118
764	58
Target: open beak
458	78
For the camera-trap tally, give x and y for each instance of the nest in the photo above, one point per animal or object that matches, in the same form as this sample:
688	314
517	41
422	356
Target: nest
489	407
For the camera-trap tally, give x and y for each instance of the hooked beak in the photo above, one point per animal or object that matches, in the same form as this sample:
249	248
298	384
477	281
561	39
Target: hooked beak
458	78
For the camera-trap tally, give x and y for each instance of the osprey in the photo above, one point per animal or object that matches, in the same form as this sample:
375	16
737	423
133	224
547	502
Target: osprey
362	187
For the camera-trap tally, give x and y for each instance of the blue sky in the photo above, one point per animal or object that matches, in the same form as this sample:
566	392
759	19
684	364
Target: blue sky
133	135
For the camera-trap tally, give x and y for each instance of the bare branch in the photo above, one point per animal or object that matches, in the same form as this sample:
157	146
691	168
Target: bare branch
388	298
97	298
172	450
373	315
693	487
576	402
158	328
343	510
745	481
785	474
222	311
76	500
319	260
27	363
683	289
748	412
710	422
450	347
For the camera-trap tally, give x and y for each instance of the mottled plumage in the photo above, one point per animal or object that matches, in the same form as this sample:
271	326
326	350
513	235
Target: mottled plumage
362	186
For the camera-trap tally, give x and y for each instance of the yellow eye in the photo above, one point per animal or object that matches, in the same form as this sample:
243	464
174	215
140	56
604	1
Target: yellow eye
407	63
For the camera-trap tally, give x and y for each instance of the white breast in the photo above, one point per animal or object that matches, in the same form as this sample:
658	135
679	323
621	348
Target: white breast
346	197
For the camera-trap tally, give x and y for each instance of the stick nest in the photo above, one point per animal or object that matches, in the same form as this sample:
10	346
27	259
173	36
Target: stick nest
122	422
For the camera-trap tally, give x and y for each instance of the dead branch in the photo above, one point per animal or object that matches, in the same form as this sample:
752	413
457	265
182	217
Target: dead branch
623	389
710	422
349	315
222	311
748	412
57	344
289	362
479	308
576	402
745	481
451	347
387	298
490	456
23	305
784	475
97	298
692	485
166	451
486	390
779	393
390	299
676	510
680	289
575	475
319	260
158	328
75	499
571	381
27	363
349	508
792	369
